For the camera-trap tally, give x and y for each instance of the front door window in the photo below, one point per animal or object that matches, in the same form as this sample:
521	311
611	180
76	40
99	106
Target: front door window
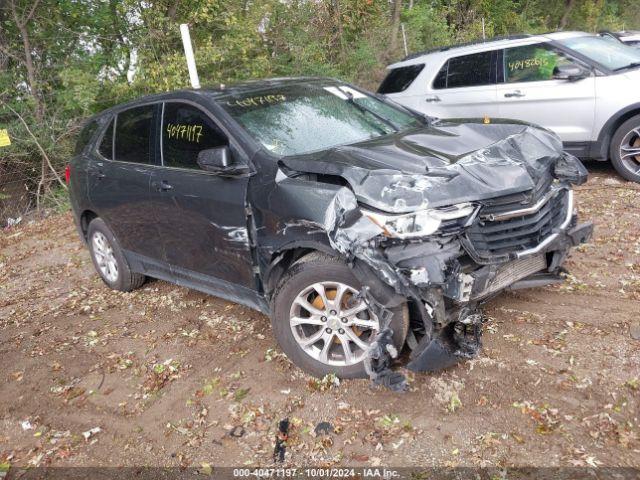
532	63
186	131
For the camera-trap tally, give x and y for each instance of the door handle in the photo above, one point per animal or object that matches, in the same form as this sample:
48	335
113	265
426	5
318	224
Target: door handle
162	186
432	98
99	173
515	93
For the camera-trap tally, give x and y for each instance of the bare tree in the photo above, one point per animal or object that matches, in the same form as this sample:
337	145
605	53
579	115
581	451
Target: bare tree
22	22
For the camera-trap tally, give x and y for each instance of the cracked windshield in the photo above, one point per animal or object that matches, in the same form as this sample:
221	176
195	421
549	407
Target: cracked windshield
296	120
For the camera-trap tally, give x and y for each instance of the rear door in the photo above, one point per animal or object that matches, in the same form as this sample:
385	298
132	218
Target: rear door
119	176
201	215
464	87
527	91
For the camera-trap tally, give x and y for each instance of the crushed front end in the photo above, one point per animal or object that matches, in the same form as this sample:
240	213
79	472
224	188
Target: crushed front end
479	234
512	241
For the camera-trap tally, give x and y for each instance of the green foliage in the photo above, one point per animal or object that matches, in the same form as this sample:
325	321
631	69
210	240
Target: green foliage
88	55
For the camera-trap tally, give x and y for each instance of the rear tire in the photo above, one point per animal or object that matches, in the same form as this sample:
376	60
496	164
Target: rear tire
108	259
350	333
624	150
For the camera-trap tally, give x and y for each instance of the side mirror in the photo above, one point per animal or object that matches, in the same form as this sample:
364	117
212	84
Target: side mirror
219	160
570	72
214	159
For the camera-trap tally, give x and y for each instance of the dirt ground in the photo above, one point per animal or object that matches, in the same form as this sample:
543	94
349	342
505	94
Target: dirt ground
167	376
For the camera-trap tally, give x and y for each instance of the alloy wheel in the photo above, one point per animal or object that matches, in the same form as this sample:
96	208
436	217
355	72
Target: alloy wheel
103	254
332	324
630	151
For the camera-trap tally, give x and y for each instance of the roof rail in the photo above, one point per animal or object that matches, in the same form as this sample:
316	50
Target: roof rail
466	44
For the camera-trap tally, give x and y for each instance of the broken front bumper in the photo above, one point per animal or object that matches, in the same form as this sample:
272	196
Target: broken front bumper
544	262
506	241
458	325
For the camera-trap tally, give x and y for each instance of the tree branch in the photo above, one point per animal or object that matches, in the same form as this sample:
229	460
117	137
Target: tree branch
42	152
31	12
11	54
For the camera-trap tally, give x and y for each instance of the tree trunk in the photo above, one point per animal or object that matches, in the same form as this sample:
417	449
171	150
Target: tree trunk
395	25
31	73
338	15
567	11
28	59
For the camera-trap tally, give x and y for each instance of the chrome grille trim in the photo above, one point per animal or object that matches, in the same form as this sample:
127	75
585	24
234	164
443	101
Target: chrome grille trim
553	236
519	232
523	211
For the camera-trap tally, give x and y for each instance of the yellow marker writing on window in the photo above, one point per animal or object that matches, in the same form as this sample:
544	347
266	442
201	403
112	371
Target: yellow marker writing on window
5	141
189	133
257	101
527	63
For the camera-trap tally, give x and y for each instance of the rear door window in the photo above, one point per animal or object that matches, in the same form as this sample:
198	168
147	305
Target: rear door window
106	144
134	140
186	131
399	79
531	63
466	71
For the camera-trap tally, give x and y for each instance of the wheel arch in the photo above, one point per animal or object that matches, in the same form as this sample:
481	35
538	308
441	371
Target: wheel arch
86	217
286	256
601	150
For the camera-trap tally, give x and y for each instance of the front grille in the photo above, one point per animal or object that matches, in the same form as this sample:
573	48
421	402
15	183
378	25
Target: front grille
492	236
518	200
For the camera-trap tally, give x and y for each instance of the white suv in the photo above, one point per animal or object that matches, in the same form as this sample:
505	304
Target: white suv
630	38
583	87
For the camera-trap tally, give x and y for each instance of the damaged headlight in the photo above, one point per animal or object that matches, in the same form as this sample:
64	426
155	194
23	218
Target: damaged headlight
417	224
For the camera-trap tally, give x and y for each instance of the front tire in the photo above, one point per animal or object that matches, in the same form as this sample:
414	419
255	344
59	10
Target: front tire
319	322
625	149
108	259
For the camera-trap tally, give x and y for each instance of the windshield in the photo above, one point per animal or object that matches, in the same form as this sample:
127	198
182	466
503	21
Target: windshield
297	119
612	54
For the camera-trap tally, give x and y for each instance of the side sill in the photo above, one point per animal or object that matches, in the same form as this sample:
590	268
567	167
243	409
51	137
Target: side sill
197	281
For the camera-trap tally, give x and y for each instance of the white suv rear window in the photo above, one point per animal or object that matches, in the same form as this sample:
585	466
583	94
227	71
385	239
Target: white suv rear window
399	79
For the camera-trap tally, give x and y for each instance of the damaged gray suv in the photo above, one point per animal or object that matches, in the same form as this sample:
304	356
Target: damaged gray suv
357	225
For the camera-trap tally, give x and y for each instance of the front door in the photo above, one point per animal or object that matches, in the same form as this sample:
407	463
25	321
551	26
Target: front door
119	174
527	91
201	215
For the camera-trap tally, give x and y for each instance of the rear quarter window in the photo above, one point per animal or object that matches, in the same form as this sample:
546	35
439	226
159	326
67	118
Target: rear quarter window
86	134
106	145
399	79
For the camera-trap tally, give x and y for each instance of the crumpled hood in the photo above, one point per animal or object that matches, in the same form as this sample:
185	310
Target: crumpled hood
443	164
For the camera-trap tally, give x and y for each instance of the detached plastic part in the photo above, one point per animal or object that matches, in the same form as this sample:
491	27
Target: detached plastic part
378	362
382	352
570	169
460	340
432	355
281	441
